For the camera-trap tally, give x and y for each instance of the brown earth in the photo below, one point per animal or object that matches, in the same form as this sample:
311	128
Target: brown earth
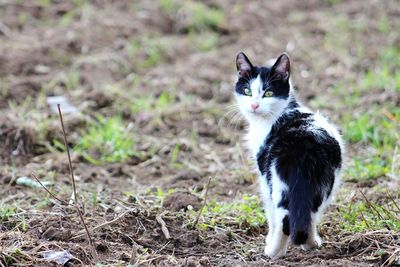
41	51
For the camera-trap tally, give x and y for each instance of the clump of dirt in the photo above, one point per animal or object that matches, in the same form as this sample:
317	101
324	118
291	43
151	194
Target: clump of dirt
181	201
17	141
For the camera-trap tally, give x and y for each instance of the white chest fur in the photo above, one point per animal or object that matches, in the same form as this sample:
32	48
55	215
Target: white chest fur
256	135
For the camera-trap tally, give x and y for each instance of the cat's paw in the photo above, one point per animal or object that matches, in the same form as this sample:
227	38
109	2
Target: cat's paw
274	252
311	243
318	240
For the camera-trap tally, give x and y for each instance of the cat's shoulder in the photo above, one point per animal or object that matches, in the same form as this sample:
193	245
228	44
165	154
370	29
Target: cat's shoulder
318	121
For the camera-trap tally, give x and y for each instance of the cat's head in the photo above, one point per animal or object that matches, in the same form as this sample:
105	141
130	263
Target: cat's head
262	92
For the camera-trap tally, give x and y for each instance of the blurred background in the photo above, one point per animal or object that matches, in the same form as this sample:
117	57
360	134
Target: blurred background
146	89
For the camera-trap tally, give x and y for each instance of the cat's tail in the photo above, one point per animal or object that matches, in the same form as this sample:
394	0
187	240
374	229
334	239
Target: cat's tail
300	202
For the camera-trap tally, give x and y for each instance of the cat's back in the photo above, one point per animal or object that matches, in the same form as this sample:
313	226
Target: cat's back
299	131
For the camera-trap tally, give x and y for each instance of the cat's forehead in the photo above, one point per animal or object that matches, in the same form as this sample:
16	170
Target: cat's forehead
263	72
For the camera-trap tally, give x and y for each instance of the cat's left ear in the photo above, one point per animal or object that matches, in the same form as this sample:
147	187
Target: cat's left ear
281	67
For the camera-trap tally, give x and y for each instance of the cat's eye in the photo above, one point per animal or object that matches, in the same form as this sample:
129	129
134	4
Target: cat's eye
247	91
268	93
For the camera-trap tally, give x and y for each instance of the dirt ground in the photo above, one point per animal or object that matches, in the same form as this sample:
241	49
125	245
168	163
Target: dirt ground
105	55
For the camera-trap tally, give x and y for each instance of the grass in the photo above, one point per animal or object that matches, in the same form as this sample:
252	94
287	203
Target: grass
10	218
378	129
6	212
378	126
384	74
246	213
149	103
366	215
204	17
147	52
107	140
364	168
200	16
205	41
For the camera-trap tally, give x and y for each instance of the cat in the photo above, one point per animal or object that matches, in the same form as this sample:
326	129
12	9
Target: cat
298	154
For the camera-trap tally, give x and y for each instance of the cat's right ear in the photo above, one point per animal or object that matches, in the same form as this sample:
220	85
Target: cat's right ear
243	65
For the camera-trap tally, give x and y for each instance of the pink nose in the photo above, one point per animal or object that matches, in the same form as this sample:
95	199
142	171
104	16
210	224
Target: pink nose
254	106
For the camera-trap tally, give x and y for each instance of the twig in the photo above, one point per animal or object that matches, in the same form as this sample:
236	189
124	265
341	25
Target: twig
204	203
45	188
71	170
390	259
392	199
164	228
73	184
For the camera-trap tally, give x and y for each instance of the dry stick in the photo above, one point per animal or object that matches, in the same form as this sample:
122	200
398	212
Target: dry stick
71	170
73	183
392	199
164	228
204	203
390	259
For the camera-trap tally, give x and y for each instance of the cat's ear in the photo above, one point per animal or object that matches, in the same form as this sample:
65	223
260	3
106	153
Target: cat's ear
281	68
243	65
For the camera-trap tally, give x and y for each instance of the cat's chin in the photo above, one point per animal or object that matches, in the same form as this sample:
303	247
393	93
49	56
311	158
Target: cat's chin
254	115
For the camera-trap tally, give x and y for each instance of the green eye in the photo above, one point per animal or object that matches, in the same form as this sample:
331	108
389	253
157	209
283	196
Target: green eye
247	91
268	93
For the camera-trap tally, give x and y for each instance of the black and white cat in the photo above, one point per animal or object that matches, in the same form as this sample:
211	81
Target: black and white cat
298	154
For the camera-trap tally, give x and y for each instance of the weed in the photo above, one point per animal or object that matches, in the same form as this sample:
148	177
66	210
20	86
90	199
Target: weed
147	103
367	168
205	41
364	215
200	16
6	212
170	6
204	17
174	157
147	52
384	74
246	212
383	25
377	126
108	140
140	104
71	79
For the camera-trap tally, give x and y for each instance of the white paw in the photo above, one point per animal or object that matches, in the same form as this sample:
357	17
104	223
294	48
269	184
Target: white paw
273	252
318	240
312	242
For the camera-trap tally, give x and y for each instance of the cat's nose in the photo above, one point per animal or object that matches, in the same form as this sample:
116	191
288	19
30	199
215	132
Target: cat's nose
254	106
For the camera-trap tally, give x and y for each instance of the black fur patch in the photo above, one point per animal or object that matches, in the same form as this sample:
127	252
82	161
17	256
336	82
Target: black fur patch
317	201
300	238
286	225
284	203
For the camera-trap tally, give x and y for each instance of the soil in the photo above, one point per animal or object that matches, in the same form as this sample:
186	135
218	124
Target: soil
85	59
